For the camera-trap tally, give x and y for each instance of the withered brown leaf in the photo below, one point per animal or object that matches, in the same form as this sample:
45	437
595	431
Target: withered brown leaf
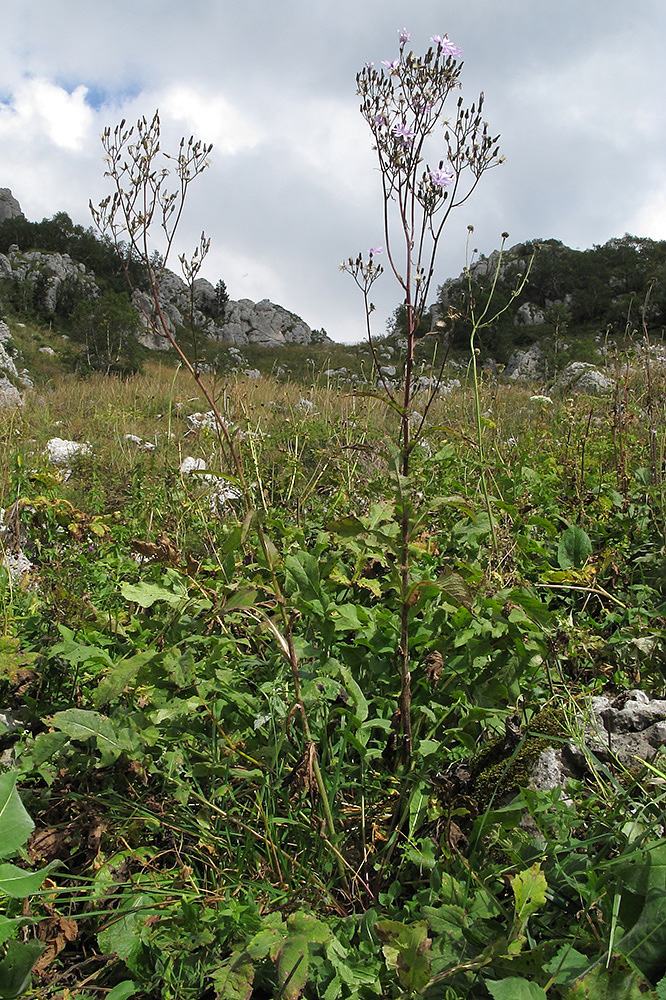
432	667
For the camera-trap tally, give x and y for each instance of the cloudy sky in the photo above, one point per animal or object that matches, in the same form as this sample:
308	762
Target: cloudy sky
574	87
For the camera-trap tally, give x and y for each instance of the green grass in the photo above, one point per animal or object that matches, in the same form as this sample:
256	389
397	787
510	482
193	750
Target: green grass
153	653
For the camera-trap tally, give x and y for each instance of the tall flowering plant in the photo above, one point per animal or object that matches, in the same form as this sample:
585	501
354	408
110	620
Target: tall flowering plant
430	162
432	151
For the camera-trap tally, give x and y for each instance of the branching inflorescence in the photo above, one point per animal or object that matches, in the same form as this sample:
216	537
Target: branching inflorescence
150	188
405	105
430	162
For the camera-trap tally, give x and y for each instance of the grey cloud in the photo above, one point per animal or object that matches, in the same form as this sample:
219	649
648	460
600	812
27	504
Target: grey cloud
574	89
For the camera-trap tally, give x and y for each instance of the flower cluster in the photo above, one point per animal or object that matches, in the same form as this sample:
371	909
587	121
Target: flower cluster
404	101
445	47
441	178
403	132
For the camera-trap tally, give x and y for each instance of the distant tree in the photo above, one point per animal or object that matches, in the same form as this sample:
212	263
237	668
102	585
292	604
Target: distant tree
221	301
108	327
599	286
398	325
61	235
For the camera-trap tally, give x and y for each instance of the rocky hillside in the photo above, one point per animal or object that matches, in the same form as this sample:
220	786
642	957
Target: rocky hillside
50	267
244	322
573	300
63	294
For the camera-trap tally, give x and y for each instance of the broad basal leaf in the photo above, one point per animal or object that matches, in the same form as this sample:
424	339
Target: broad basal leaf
407	948
18	884
16	966
146	594
80	724
645	944
292	966
15	824
620	981
117	679
234	980
529	890
574	549
514	989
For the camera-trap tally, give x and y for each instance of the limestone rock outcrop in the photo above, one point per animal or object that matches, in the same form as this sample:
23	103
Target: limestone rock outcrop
245	322
55	274
581	376
11	379
9	206
263	323
526	366
529	315
624	731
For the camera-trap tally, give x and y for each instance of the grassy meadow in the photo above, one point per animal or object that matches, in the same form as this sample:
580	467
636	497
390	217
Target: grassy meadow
181	669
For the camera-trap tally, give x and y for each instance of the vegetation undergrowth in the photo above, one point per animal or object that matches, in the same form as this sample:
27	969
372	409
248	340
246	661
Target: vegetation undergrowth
273	711
158	750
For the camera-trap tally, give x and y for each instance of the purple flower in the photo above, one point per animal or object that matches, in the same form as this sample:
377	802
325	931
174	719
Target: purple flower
423	107
379	120
403	36
445	46
441	178
404	132
373	251
391	65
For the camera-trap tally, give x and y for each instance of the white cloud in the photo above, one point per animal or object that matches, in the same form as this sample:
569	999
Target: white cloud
211	117
293	186
330	143
246	275
650	219
40	108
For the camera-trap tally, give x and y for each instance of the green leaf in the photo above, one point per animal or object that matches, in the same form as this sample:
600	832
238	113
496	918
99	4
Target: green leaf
349	617
567	965
16	966
80	724
535	609
642	870
265	940
292	966
18	884
15	824
121	936
367	583
514	989
406	948
302	577
346	527
115	682
46	745
75	652
645	943
10	925
334	667
307	924
244	597
618	982
455	589
146	594
529	891
123	990
574	549
234	979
